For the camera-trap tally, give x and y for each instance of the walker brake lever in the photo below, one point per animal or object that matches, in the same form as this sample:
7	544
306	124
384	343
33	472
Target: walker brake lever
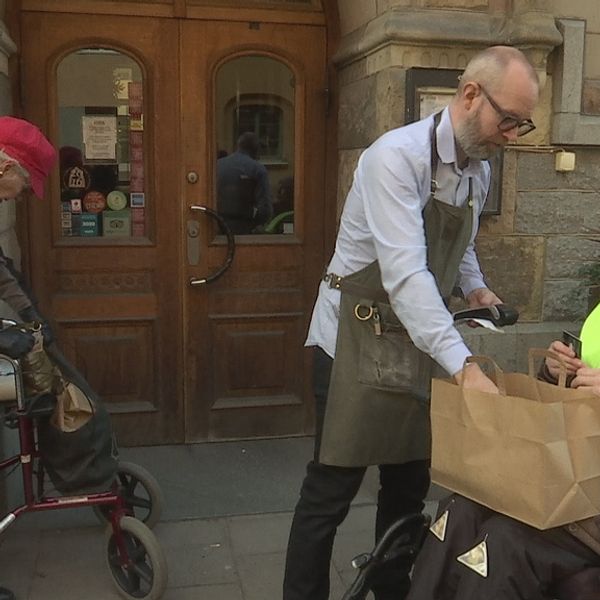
499	314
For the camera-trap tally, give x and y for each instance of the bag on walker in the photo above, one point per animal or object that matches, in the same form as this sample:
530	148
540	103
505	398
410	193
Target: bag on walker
532	452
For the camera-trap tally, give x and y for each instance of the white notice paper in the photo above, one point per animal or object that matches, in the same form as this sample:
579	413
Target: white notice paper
99	137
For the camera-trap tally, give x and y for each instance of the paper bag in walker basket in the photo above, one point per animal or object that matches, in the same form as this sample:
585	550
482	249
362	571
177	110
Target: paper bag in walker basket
532	452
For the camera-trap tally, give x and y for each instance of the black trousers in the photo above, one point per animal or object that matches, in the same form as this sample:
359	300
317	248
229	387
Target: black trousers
523	563
324	502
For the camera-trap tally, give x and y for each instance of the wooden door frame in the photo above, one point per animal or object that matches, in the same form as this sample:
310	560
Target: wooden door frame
150	403
331	152
310	84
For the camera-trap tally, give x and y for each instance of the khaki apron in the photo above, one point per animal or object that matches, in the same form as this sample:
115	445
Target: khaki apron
378	402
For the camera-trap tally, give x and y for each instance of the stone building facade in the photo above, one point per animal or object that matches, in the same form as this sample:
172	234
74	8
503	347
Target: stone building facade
532	256
541	250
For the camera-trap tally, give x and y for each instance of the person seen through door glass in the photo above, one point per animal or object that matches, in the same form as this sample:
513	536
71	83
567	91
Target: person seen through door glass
243	190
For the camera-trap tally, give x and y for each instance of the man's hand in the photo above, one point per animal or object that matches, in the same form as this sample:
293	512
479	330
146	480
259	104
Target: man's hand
473	378
482	297
567	355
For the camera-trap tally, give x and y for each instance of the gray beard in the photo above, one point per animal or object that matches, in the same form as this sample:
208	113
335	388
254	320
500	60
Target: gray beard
468	136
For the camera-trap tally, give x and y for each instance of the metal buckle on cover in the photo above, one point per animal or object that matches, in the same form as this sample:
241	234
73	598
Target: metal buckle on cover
332	280
363	316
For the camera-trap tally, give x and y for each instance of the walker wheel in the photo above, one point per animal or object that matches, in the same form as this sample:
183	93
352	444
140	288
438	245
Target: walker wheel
141	494
142	573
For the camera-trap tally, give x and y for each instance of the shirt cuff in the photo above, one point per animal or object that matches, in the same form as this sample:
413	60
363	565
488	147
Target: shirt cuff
470	284
453	359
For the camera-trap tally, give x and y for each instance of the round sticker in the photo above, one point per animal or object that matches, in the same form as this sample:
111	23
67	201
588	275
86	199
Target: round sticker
94	202
116	200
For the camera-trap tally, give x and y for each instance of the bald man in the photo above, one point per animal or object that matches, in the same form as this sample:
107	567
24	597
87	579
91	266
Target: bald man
406	238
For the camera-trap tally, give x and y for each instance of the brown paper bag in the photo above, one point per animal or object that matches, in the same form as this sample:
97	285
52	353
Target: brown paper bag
73	408
532	452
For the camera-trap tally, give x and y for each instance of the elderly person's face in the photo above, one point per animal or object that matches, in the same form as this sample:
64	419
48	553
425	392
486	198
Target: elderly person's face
12	182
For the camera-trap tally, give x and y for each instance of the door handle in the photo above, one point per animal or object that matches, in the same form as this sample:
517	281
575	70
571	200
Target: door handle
193	242
195	281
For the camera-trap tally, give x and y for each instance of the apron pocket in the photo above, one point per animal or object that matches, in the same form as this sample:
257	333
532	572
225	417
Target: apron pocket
391	361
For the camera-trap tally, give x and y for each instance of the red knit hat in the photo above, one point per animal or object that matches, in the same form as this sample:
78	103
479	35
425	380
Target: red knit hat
29	147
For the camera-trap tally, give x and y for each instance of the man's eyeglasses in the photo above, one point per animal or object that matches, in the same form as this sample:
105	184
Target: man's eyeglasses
509	121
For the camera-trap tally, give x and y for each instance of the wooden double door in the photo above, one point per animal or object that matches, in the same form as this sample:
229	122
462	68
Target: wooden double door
123	275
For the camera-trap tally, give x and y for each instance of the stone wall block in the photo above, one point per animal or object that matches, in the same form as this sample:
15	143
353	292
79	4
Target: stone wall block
499	346
565	300
591	97
536	171
357	115
564	212
450	30
356	13
569	256
390	100
468	4
504	222
352	72
371	106
514	268
347	165
385	5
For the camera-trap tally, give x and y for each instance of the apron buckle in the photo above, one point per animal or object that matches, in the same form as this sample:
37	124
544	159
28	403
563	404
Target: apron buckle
361	315
333	281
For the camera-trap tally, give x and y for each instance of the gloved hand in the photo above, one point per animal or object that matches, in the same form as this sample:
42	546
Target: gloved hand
15	342
30	315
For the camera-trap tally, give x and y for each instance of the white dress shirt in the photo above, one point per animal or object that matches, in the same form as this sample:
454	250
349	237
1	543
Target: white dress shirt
383	220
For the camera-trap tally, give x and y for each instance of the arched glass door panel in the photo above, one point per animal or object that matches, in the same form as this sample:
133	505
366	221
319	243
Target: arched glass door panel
101	137
255	108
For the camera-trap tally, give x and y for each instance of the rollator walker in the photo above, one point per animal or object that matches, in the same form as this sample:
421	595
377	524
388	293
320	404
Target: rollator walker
130	506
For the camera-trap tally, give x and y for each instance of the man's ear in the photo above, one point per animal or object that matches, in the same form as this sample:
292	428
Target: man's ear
470	91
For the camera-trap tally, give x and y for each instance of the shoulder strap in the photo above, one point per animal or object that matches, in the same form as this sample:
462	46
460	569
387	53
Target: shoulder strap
434	151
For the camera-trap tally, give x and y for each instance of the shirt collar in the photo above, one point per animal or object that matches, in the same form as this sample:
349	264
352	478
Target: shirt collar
446	143
445	139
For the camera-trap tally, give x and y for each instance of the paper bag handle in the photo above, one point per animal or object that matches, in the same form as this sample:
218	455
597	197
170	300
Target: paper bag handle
481	359
544	353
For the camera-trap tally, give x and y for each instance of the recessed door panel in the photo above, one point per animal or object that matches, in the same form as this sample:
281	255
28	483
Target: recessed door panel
263	89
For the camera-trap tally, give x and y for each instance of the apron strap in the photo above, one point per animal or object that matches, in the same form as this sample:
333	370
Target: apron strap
355	289
380	295
434	152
